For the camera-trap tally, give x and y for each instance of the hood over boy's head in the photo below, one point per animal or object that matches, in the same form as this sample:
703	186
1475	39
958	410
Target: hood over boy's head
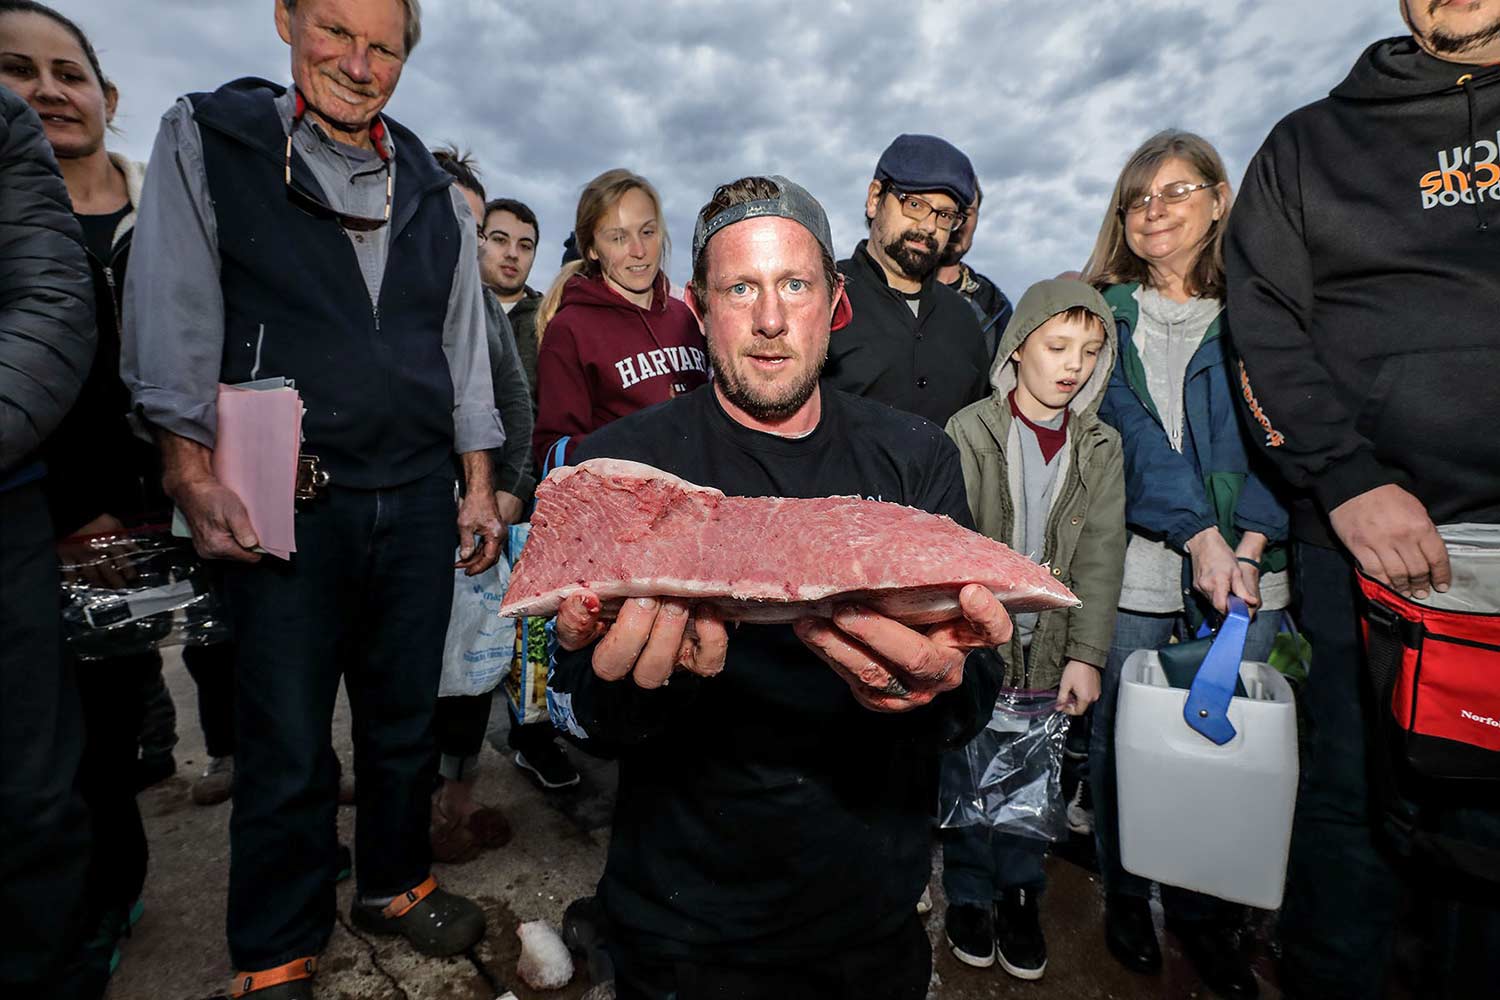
1071	330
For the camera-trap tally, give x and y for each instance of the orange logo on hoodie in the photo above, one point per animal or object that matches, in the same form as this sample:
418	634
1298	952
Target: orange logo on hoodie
1450	184
1274	438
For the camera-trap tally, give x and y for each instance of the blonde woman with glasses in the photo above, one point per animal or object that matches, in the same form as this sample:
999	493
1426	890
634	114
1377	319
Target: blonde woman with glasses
1202	525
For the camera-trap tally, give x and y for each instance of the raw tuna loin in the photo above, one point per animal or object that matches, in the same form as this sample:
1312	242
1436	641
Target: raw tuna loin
623	529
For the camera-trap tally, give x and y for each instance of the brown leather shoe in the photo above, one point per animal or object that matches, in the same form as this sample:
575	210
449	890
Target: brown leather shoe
216	782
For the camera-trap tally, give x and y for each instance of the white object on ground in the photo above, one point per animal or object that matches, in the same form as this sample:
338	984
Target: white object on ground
545	963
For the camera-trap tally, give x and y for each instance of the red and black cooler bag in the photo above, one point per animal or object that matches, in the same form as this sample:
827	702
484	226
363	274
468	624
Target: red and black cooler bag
1434	668
1437	672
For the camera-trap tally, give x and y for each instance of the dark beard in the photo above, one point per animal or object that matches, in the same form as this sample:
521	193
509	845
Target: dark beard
913	264
763	408
1450	44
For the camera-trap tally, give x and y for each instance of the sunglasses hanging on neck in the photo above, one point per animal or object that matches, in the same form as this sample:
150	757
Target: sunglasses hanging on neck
312	206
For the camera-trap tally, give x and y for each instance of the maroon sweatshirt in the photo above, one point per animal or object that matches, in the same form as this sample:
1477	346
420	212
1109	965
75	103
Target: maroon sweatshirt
603	357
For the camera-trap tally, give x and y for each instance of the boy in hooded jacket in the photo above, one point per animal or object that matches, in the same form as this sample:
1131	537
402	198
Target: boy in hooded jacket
1045	476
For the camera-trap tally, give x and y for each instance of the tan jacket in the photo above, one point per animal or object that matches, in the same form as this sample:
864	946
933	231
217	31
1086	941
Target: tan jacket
1085	535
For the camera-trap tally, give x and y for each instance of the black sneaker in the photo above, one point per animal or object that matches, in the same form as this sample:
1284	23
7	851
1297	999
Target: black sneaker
584	932
548	766
971	934
1215	952
1018	933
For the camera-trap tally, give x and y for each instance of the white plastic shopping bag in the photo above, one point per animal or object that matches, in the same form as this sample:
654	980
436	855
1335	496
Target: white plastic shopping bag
479	646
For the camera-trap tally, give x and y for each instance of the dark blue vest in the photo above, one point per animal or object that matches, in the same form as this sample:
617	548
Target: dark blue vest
375	381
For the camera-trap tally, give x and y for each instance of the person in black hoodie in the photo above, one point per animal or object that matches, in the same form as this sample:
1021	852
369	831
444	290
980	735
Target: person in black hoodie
1364	275
772	831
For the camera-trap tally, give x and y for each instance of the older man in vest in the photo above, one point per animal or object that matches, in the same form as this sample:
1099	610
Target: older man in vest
298	233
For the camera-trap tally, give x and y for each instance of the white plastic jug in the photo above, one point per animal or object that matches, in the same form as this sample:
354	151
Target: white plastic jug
1196	814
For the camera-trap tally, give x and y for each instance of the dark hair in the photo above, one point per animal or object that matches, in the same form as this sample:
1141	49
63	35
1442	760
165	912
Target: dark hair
886	187
516	208
1083	314
461	167
32	7
737	193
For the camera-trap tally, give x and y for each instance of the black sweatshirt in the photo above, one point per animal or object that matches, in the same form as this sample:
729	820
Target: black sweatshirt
1364	282
932	364
763	814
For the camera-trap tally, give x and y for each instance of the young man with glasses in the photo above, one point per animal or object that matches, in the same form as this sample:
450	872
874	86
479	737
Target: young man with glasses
296	232
914	343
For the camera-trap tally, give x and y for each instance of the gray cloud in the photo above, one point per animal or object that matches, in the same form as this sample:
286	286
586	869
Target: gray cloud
1047	100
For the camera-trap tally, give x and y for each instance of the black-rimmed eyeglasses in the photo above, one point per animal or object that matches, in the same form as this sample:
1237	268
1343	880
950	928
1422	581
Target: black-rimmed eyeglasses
920	209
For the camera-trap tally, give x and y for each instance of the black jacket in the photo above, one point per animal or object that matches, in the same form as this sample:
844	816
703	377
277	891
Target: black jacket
511	462
990	305
95	463
932	364
46	293
522	318
1364	281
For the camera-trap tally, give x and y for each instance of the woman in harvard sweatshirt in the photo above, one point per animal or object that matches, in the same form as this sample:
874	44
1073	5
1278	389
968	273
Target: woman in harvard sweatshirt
618	342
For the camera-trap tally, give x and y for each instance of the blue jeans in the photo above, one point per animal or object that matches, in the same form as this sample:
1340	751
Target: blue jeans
979	864
1344	890
1132	632
366	597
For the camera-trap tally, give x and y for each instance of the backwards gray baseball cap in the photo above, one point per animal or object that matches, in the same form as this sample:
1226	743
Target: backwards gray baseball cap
792	201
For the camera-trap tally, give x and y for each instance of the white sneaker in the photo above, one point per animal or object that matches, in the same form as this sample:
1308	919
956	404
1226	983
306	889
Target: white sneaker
924	905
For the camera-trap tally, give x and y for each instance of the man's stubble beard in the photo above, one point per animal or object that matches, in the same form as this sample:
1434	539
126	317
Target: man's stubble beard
760	407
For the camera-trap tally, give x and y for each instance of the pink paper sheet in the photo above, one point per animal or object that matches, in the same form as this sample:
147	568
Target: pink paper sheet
259	439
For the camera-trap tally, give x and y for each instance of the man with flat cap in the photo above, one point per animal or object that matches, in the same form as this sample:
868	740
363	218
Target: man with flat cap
914	342
771	834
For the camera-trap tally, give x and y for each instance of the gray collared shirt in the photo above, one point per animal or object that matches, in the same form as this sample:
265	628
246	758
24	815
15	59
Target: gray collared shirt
173	338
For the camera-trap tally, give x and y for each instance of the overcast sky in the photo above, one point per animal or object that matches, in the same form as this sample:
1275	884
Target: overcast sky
1047	99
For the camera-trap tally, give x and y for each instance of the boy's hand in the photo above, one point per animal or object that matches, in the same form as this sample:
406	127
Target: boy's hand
1079	688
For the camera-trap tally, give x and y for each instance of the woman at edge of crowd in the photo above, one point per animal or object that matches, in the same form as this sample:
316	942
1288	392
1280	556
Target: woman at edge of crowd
612	339
1202	524
102	479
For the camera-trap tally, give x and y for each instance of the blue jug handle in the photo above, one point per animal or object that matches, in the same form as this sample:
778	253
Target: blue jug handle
1207	708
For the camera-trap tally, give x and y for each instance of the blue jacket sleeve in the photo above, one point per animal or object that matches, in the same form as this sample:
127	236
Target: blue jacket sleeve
1164	495
1259	510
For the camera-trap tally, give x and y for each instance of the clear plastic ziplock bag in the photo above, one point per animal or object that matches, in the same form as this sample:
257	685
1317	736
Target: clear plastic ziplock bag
130	593
1009	777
